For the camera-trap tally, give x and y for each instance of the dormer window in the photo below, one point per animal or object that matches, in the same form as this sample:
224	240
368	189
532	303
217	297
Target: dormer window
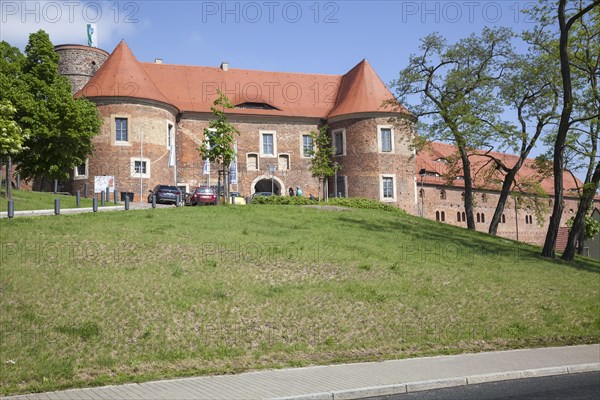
441	160
255	106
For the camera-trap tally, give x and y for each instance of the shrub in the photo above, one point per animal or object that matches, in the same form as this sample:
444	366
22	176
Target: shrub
340	201
284	200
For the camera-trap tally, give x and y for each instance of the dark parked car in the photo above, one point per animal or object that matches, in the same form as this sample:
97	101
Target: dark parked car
202	195
165	194
263	194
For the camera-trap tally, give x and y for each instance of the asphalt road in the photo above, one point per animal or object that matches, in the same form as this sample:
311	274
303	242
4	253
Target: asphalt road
585	386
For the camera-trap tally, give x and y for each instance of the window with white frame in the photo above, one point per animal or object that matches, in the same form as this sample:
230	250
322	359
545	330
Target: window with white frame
385	139
268	145
81	171
252	162
339	142
169	135
284	162
140	168
307	146
121	129
388	190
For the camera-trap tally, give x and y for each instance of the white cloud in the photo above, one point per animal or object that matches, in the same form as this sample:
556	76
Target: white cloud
66	21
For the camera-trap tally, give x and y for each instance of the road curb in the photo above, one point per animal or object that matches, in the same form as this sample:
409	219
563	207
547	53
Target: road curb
409	387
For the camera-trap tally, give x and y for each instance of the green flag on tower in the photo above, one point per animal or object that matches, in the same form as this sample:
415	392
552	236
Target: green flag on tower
91	35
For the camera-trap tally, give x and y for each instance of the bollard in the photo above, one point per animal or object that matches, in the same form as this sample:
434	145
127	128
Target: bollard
85	190
78	199
126	203
55	186
95	204
115	196
102	198
18	181
11	208
154	201
56	206
178	200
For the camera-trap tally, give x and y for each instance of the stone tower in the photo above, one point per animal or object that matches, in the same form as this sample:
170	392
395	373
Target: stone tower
79	63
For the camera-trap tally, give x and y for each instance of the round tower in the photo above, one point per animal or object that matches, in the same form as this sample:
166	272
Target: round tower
79	63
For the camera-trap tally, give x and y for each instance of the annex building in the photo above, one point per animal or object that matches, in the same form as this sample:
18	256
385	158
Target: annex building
154	115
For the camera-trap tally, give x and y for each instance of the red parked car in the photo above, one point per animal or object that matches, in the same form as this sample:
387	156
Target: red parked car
202	195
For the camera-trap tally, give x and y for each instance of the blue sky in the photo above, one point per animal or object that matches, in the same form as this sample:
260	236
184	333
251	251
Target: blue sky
297	36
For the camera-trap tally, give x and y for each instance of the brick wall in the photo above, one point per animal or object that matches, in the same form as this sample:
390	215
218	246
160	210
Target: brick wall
534	232
364	163
115	159
288	142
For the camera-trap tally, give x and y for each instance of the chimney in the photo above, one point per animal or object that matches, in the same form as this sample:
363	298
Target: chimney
225	66
158	61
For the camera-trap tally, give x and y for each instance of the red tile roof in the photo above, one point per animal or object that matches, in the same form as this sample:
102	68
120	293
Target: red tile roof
192	88
362	90
432	160
122	75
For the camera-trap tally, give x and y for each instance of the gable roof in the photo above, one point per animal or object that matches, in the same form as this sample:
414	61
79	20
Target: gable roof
121	75
431	159
193	88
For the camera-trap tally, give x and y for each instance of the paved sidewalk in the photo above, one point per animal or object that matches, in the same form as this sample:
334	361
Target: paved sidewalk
351	381
63	211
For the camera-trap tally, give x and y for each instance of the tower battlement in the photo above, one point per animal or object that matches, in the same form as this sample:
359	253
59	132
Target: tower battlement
79	63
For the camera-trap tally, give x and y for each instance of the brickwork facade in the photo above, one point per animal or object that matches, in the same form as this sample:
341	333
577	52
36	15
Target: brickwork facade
291	167
145	149
364	164
445	204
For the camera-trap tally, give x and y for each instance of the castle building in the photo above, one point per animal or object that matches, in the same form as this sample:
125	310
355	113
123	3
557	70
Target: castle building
154	116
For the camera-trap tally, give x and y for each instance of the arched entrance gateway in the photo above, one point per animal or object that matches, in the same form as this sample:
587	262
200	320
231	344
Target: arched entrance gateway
263	184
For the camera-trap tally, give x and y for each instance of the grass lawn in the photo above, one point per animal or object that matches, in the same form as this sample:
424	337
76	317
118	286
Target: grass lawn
93	299
27	200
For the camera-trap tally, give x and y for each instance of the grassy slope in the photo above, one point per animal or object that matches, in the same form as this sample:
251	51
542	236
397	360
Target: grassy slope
127	296
27	200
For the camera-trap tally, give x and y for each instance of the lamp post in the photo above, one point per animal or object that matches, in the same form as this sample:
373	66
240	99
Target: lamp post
422	174
272	172
335	185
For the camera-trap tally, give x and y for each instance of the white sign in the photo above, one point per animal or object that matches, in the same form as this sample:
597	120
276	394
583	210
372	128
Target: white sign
103	182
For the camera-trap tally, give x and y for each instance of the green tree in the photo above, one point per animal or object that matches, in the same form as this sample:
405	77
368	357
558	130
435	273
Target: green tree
592	227
60	128
321	165
219	138
13	93
455	85
556	34
529	90
581	147
11	138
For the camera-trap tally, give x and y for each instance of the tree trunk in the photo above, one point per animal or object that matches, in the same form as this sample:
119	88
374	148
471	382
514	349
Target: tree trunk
581	241
563	128
585	203
505	192
468	187
319	188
